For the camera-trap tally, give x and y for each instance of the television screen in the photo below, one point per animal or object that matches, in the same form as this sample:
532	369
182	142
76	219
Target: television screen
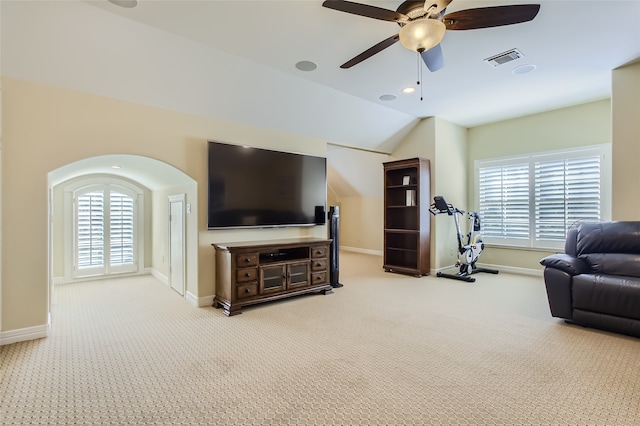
254	187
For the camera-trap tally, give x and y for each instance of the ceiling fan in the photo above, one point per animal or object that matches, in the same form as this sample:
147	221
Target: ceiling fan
423	24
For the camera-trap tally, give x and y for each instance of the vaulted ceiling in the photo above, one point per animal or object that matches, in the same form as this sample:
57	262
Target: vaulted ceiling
572	44
236	60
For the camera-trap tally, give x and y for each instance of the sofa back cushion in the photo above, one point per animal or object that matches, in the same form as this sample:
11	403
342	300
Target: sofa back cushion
610	247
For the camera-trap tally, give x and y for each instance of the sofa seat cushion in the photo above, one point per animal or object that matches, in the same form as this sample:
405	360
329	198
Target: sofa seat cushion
607	294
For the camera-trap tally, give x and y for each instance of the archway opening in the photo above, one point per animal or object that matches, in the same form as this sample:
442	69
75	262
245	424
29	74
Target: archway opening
157	182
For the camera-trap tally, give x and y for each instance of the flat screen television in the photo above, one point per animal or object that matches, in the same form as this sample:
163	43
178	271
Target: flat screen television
255	187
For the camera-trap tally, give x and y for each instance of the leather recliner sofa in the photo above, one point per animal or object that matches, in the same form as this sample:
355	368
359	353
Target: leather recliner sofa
596	282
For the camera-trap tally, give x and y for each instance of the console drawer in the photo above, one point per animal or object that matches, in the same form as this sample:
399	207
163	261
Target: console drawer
318	277
318	264
318	252
243	260
247	290
246	274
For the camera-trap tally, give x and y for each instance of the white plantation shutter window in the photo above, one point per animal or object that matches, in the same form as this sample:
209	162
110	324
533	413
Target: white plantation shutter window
90	230
504	201
531	201
121	229
566	191
105	230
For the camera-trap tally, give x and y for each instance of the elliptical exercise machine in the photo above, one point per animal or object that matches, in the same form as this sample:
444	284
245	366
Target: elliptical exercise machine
468	253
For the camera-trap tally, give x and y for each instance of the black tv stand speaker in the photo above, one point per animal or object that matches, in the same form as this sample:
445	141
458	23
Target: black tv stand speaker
334	249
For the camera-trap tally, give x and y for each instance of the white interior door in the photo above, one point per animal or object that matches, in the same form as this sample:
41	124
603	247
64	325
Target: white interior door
176	243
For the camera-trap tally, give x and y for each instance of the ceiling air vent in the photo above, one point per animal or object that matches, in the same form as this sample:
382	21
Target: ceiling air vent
504	57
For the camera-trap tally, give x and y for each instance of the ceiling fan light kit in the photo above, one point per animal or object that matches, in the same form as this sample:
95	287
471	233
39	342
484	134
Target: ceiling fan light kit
422	35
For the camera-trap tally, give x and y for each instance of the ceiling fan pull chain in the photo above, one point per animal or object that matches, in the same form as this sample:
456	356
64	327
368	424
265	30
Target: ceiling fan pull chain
420	74
418	64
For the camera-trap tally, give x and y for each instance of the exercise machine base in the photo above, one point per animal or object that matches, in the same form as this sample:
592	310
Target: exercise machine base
463	276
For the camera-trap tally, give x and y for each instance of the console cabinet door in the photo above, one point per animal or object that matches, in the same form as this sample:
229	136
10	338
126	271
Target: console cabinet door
298	274
273	278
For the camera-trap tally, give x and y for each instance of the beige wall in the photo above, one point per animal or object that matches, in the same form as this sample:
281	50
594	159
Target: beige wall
626	142
586	124
357	177
47	127
450	176
571	127
420	142
361	223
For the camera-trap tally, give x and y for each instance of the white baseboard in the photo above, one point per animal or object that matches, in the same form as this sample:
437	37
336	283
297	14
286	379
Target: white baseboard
513	269
361	250
160	277
65	280
23	334
199	302
507	269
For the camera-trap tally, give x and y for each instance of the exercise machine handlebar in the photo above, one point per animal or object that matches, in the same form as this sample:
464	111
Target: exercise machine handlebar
440	205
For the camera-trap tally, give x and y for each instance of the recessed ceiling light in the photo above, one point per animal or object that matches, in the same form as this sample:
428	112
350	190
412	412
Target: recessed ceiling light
387	97
523	69
306	66
125	3
115	166
408	90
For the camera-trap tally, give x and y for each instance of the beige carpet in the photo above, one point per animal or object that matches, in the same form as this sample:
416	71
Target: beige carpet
384	350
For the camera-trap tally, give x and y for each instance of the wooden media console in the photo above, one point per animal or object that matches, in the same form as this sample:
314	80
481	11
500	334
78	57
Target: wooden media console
255	272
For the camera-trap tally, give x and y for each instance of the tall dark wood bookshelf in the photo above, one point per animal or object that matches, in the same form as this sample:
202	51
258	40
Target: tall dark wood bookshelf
407	226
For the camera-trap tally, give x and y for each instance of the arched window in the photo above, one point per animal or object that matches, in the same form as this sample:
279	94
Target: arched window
106	221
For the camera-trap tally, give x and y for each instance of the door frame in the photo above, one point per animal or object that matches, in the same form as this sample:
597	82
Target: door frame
178	198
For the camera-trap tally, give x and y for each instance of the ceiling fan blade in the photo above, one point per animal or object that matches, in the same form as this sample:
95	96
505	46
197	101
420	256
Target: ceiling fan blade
433	58
371	51
487	17
365	10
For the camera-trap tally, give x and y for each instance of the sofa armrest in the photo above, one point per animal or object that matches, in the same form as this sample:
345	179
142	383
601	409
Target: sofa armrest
558	286
566	263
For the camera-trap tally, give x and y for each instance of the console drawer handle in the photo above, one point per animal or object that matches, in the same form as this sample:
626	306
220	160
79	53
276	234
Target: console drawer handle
248	274
248	259
247	290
